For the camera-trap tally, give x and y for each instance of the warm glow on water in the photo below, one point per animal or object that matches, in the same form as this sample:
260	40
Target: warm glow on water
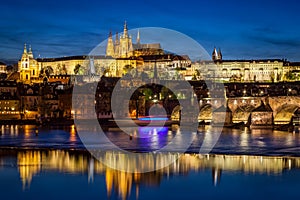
38	169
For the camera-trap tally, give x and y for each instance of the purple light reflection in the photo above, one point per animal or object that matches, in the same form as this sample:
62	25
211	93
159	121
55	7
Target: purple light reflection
153	118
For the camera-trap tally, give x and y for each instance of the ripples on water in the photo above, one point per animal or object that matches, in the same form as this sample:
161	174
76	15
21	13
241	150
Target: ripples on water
231	141
66	174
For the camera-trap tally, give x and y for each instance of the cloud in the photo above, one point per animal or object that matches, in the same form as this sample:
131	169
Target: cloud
273	36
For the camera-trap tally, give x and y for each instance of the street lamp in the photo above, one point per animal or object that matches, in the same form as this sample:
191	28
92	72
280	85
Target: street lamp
289	91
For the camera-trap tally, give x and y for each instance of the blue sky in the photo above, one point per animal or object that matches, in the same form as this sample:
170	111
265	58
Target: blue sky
242	29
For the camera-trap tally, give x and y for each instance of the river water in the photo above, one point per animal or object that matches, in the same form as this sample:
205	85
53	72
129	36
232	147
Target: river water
231	141
52	163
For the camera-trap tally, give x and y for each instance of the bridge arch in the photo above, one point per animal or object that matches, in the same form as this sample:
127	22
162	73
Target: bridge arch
205	113
285	113
175	115
242	114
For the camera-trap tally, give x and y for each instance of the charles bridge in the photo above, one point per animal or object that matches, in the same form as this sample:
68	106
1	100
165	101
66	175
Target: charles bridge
283	108
274	103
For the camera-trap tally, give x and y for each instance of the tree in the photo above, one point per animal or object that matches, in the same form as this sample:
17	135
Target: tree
194	78
64	69
58	71
3	76
127	68
290	76
97	68
272	77
77	68
49	70
9	68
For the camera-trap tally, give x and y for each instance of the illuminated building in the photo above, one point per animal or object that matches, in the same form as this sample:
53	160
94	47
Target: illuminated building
124	48
28	67
8	86
122	55
2	67
30	101
49	102
264	70
9	102
9	106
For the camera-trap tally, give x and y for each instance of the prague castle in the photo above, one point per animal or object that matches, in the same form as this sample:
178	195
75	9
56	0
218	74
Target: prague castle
123	55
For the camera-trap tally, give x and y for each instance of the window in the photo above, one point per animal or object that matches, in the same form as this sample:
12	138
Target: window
26	76
33	72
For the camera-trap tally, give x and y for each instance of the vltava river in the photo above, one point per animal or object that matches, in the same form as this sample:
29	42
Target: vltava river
231	141
52	163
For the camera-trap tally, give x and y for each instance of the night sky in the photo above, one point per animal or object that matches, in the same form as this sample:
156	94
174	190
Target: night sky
242	29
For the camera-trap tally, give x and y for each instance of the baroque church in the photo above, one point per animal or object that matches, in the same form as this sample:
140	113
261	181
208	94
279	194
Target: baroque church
28	66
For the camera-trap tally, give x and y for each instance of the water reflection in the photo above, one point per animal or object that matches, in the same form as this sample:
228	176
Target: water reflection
30	163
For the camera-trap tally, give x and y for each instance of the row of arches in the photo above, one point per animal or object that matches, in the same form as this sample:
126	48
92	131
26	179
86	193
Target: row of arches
283	114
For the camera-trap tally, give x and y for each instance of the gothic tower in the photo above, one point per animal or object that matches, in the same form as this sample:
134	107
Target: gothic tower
138	39
110	51
216	55
219	54
122	47
117	45
126	48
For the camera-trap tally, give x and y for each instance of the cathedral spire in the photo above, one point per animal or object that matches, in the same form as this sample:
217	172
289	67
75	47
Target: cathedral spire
125	33
110	46
117	39
138	39
215	54
30	52
219	54
25	48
